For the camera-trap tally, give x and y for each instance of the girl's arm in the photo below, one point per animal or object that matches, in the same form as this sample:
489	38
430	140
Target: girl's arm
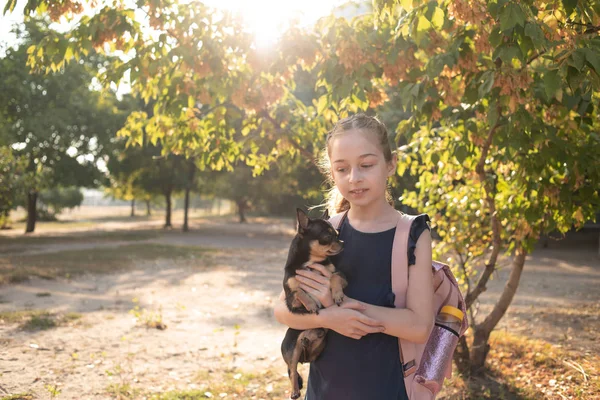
347	319
414	322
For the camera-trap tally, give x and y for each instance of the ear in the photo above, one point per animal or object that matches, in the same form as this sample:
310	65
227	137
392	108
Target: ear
393	165
302	220
325	215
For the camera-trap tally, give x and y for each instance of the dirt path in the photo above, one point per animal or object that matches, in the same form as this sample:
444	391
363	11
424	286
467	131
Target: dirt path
220	317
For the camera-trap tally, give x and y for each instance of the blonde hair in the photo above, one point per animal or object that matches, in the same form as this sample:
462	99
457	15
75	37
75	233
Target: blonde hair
334	200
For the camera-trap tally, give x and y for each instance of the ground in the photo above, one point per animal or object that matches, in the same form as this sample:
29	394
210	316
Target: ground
92	335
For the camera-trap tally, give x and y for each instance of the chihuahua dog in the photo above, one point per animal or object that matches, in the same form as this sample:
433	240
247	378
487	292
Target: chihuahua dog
315	241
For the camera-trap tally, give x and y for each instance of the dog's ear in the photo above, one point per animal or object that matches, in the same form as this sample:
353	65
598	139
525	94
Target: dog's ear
325	215
302	220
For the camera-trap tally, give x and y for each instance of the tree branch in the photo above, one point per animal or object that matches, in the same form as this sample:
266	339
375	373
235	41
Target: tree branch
491	202
508	293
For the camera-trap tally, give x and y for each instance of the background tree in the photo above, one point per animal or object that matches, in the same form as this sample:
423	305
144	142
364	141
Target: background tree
53	201
500	101
12	169
55	121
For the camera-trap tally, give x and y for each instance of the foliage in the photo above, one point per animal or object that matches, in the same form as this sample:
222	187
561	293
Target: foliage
12	169
499	106
59	198
54	121
503	123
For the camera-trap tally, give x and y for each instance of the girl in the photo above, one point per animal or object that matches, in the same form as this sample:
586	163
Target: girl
361	358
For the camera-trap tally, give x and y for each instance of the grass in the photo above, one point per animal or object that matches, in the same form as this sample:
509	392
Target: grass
38	320
522	368
122	391
262	385
19	396
518	368
19	244
18	268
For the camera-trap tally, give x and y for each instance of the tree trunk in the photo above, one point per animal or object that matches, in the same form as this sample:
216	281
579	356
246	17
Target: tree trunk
186	205
241	210
5	219
188	188
31	211
482	331
132	208
148	212
168	214
462	358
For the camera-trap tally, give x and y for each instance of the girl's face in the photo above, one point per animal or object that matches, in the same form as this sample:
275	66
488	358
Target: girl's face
359	168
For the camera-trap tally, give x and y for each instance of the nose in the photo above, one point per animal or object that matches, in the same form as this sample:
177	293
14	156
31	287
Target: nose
355	175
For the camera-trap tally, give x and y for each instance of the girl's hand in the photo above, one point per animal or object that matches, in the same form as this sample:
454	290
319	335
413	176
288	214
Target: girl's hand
348	320
316	283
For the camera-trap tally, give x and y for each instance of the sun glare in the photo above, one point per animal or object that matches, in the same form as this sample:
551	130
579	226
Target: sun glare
268	19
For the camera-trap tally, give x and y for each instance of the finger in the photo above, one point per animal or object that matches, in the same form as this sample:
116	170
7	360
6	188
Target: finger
310	290
363	319
324	271
353	305
365	329
312	283
314	276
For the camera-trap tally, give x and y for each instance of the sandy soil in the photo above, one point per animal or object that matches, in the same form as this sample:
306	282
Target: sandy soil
220	317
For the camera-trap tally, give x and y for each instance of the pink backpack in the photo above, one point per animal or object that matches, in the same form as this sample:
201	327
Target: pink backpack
417	371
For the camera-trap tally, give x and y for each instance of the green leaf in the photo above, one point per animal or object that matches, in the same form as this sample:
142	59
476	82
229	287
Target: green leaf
551	83
577	59
536	34
68	53
486	86
423	25
190	101
592	58
437	19
461	153
508	52
569	6
511	15
496	37
10	6
322	104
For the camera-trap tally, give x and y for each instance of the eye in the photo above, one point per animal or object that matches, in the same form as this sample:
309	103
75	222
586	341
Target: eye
341	170
367	165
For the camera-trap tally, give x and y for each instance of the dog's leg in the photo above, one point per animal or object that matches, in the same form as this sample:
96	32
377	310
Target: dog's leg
300	295
293	369
338	283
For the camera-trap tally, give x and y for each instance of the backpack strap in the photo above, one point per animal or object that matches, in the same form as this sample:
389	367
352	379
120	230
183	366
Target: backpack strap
338	219
400	286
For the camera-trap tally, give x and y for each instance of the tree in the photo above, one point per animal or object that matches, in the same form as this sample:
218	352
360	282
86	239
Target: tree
54	121
55	200
500	99
12	169
503	123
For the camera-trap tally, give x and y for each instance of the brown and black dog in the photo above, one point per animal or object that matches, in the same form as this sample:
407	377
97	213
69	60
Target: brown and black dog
315	241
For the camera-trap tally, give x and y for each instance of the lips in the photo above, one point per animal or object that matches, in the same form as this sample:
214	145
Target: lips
358	191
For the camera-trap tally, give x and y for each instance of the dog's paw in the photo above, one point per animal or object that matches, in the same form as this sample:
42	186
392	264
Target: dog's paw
295	395
338	299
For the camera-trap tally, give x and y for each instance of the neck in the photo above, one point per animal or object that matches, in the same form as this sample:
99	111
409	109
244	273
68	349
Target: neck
374	212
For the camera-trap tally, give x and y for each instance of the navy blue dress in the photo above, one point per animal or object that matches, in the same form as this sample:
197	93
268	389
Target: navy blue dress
368	368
